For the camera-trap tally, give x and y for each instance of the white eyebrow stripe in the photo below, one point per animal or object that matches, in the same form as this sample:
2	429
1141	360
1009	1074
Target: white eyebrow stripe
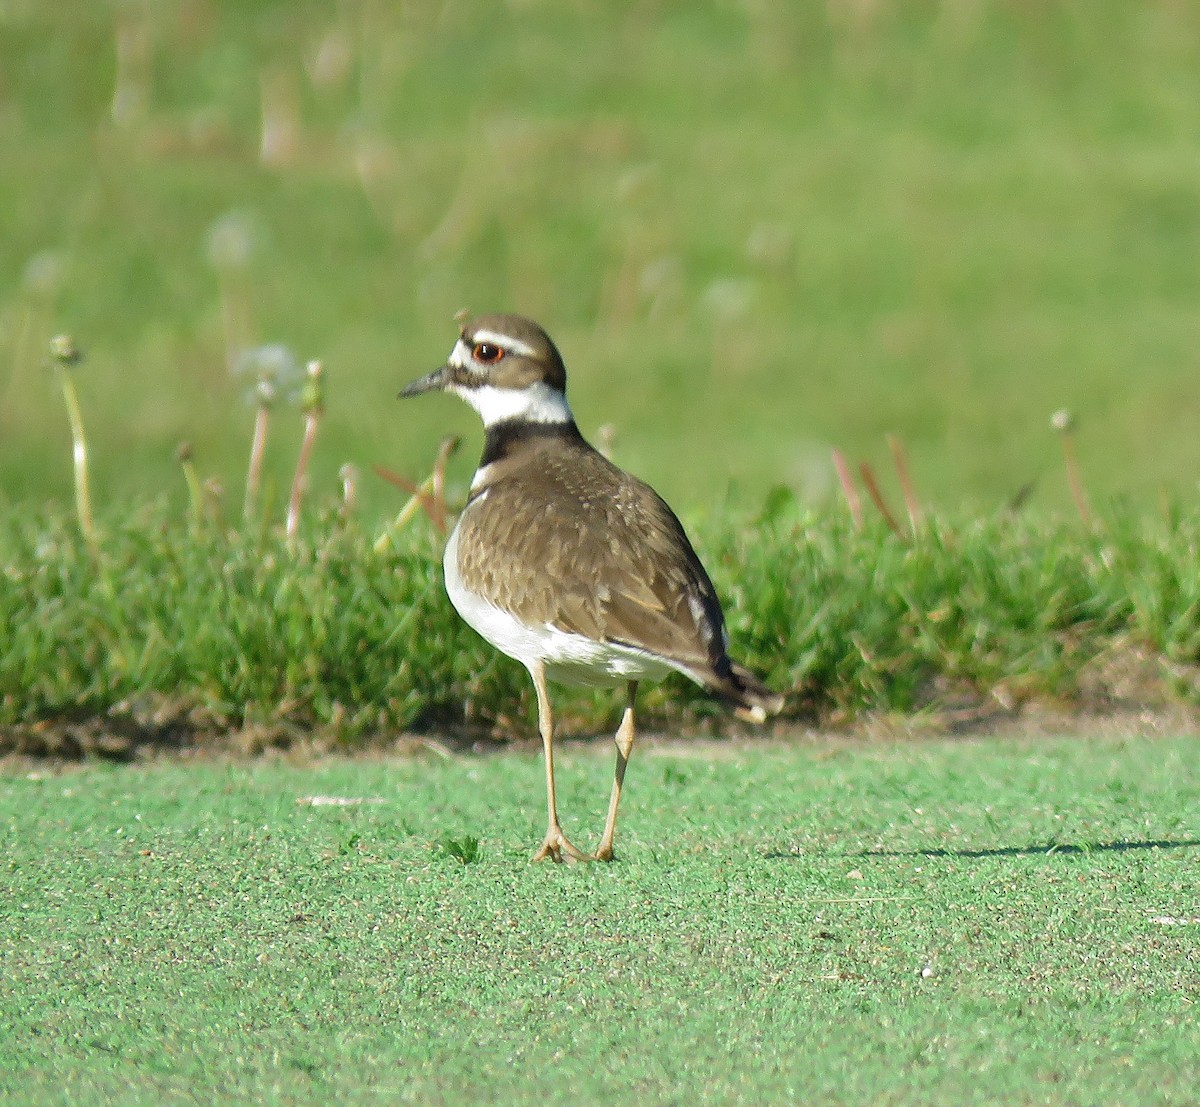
504	341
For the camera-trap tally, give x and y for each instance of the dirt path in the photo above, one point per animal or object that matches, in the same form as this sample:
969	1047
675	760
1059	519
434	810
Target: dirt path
126	739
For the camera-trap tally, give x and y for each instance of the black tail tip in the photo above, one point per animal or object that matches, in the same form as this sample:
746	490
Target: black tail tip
753	700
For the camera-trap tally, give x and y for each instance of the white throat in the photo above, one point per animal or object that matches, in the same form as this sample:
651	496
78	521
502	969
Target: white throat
538	403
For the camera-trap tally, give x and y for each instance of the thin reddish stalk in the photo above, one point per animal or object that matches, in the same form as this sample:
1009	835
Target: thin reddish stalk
911	503
846	480
872	486
311	421
1075	480
258	446
420	496
446	450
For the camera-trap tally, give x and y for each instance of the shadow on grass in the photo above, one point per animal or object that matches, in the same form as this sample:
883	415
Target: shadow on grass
1013	851
1047	848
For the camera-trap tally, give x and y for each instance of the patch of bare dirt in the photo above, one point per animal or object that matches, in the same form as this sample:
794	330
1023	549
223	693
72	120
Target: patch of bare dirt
124	739
1124	691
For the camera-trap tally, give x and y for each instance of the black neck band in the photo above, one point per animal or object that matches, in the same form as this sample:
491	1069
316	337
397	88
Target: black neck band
504	437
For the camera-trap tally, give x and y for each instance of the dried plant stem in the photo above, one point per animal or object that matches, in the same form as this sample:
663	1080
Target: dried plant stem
192	479
872	486
83	496
1074	479
1063	423
911	503
312	403
420	498
311	421
446	450
131	94
66	355
428	496
280	98
1020	498
348	475
213	495
258	446
846	480
21	354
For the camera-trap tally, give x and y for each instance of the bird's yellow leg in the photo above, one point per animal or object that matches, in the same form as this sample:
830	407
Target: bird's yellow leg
555	847
624	741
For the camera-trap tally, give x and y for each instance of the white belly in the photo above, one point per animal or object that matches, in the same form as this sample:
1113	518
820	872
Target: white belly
568	658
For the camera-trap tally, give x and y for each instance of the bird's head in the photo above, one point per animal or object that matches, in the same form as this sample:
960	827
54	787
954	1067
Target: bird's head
506	368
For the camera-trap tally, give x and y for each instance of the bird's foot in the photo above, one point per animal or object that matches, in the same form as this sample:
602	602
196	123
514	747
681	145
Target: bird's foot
557	848
604	851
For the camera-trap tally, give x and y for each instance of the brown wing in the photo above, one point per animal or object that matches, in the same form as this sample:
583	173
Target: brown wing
615	565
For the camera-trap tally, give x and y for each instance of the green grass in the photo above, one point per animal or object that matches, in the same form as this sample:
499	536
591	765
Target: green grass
756	231
166	630
944	922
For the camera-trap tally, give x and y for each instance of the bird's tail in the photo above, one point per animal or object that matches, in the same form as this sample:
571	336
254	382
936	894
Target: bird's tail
752	700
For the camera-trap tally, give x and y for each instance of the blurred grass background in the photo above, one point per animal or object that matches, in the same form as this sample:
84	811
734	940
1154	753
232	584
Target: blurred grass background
756	230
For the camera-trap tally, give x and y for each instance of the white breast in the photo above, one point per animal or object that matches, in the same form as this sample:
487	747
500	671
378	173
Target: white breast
568	658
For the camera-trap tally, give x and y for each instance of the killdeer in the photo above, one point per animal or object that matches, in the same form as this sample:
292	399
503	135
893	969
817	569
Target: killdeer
568	564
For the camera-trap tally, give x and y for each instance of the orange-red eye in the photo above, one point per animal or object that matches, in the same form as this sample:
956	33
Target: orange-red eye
487	352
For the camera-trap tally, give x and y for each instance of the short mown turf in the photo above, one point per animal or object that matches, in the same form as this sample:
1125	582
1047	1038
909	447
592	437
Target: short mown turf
944	922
